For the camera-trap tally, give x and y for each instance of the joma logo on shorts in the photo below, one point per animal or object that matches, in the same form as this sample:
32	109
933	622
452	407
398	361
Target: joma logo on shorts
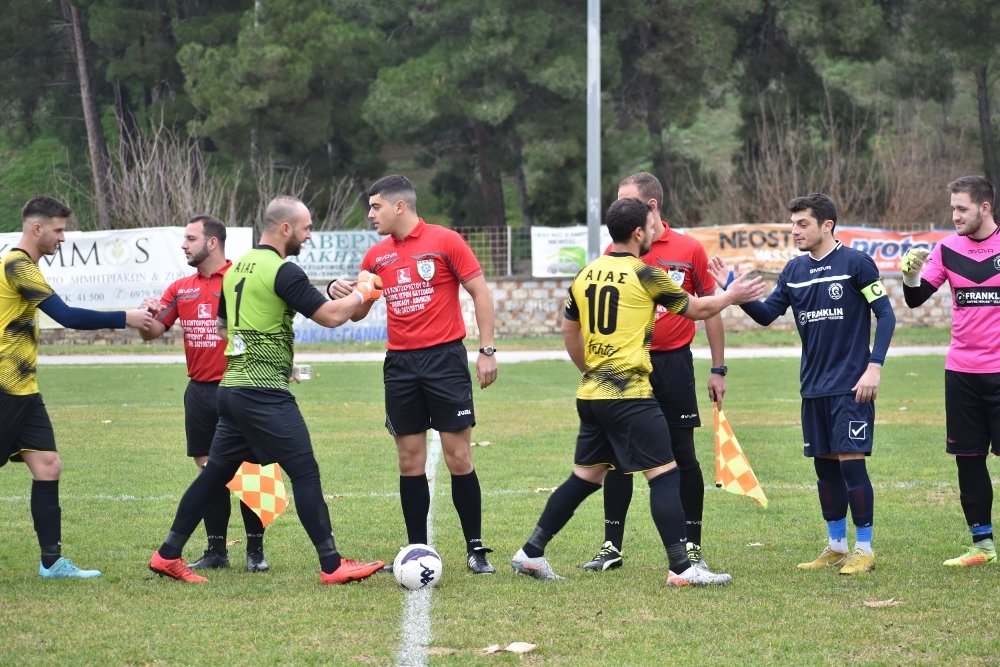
462	413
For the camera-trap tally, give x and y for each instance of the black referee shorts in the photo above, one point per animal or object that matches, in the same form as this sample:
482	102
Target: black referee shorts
629	434
972	412
673	387
201	414
26	427
428	388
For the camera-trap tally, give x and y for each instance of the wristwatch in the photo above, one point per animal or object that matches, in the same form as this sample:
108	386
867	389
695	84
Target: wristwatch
489	350
720	370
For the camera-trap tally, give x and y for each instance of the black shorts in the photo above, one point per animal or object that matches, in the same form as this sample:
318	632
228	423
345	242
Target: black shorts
629	434
26	427
201	414
673	386
428	388
972	412
259	426
837	425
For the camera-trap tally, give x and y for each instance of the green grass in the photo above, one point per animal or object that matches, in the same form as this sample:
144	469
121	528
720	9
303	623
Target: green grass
120	433
759	337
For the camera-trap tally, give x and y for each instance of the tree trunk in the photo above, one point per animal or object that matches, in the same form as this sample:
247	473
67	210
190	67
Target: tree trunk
95	135
522	183
490	185
987	138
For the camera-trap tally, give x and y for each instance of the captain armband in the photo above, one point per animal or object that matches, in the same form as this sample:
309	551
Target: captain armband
874	291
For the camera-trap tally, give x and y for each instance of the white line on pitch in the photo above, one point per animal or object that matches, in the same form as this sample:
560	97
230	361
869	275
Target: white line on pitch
416	621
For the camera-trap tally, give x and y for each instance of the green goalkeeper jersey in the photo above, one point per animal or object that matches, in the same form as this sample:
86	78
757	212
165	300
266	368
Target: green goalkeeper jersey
260	336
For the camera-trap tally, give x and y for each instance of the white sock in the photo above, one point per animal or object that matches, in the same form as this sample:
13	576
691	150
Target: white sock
864	546
839	545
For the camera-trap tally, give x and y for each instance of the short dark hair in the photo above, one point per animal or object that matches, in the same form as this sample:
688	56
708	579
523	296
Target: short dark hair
395	187
821	205
45	207
649	186
624	216
214	228
980	189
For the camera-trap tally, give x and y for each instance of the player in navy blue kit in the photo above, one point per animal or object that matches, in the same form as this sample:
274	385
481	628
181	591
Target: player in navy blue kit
833	291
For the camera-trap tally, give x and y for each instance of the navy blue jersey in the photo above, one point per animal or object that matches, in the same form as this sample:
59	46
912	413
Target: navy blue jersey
832	299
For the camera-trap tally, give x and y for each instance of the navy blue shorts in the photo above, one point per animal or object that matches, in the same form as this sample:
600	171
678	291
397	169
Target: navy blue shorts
428	388
673	387
259	426
837	425
201	414
972	412
26	427
628	434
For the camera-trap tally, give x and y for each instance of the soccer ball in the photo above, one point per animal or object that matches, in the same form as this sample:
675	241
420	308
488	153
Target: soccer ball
417	566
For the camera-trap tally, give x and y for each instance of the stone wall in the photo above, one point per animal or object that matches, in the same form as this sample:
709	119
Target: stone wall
530	307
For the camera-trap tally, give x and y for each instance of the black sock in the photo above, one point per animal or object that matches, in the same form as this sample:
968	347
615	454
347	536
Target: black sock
860	495
47	517
558	511
254	527
194	502
329	557
976	494
692	487
832	489
415	497
668	515
217	511
617	497
468	500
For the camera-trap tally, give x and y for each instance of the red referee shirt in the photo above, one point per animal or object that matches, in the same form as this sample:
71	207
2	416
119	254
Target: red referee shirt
194	301
420	279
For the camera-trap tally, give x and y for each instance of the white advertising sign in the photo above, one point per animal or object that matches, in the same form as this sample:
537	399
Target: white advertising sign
329	255
117	269
561	251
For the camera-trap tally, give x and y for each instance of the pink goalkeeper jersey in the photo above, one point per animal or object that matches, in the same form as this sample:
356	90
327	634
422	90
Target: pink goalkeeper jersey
972	269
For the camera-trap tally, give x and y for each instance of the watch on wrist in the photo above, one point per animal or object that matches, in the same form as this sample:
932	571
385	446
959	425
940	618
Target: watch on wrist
720	370
488	350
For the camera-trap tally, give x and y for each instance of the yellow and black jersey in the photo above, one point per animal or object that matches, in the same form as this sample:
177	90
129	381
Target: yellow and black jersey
614	300
22	288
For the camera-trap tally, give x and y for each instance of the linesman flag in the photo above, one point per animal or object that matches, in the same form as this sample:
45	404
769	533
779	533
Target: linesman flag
732	469
262	489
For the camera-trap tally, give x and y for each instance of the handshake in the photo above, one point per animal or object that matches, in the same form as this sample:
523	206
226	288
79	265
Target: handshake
367	287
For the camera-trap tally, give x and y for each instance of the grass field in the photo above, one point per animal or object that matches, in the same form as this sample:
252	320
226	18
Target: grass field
120	433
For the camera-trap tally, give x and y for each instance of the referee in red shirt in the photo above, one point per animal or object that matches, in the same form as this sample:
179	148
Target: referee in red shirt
194	302
426	370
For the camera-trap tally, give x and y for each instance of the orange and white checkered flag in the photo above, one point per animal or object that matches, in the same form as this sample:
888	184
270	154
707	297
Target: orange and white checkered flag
262	489
732	469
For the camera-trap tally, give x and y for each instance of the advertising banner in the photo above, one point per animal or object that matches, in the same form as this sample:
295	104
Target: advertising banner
117	269
561	251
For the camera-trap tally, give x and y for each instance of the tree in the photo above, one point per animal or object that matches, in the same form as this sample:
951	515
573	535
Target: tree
962	35
95	134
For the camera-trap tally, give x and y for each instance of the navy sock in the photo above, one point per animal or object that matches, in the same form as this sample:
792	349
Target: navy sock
832	489
859	492
976	495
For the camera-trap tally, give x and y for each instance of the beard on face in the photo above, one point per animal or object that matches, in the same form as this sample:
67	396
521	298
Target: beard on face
196	260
